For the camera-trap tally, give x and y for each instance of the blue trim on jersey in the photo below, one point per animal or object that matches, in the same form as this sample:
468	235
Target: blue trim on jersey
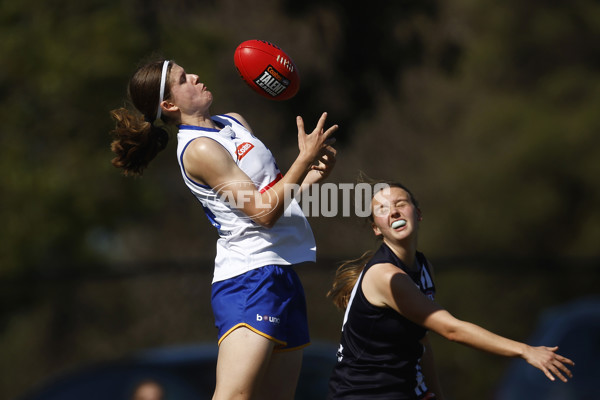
230	117
211	217
201	128
197	128
183	168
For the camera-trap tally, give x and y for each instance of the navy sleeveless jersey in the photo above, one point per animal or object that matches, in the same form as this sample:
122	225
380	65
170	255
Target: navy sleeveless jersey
379	351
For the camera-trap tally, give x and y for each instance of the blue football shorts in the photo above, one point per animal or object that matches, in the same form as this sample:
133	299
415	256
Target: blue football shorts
268	300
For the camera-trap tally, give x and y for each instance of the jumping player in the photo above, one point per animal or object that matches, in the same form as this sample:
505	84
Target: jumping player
257	298
388	296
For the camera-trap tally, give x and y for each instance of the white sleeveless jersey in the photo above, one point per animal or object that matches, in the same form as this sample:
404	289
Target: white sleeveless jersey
244	245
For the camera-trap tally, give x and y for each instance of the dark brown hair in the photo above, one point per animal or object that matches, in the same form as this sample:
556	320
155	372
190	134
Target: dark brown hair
138	135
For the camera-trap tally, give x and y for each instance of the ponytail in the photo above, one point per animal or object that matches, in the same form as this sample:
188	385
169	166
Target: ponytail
345	278
136	141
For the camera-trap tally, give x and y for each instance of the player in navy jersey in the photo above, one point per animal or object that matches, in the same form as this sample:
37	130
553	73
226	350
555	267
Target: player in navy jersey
257	298
388	297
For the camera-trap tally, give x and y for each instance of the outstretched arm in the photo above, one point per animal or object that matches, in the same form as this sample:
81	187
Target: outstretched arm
209	163
387	286
541	357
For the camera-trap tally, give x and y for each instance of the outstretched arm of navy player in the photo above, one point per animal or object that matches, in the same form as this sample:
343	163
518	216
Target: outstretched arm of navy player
385	285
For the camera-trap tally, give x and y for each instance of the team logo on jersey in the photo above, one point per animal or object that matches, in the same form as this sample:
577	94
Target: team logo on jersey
243	149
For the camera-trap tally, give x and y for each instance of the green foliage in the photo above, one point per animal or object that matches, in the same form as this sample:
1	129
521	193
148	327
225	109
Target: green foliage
66	65
487	110
527	137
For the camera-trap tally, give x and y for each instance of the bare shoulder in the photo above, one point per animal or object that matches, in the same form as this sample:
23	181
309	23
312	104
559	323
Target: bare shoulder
204	158
203	150
377	283
383	272
241	119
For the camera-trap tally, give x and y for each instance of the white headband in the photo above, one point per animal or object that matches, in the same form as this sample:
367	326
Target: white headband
163	81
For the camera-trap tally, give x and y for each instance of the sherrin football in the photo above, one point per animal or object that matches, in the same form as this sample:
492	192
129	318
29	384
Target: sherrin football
267	69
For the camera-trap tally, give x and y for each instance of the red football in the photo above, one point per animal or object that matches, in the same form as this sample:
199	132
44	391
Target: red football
267	69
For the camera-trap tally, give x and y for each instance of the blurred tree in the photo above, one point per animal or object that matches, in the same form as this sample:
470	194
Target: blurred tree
527	137
66	65
62	64
487	110
367	51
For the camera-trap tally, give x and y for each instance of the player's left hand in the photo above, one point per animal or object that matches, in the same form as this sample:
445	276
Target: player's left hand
551	364
323	166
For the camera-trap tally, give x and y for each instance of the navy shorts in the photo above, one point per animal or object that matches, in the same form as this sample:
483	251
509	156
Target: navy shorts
268	300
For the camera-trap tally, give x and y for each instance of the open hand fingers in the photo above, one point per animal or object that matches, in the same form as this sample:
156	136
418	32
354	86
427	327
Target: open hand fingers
330	132
556	366
326	160
564	360
564	370
329	152
300	124
319	129
321	123
553	371
312	145
559	365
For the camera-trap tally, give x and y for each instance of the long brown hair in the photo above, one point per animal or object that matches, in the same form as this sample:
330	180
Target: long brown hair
345	278
349	271
138	135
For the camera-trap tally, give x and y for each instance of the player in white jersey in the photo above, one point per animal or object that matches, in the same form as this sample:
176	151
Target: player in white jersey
242	245
257	298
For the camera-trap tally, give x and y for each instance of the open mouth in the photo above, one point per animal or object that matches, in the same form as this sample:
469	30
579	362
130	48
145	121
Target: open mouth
398	223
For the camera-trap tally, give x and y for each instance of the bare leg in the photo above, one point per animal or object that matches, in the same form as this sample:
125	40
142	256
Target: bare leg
282	375
241	364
